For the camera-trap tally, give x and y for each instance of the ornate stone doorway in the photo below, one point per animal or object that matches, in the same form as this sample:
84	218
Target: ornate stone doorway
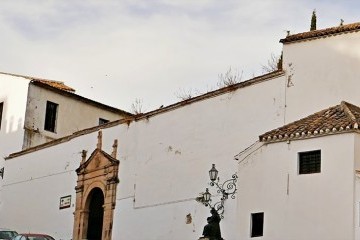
96	214
96	194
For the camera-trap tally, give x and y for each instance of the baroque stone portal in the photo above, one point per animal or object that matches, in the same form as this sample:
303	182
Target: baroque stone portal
96	194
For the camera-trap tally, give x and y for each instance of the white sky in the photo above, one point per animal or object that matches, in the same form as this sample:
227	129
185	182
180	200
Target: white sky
121	50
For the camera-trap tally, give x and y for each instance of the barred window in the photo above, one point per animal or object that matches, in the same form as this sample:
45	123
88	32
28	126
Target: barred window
310	162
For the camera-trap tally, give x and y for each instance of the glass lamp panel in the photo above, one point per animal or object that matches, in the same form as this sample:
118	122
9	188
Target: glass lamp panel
213	173
207	195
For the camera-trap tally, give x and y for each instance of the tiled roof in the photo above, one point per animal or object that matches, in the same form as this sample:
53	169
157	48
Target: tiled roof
353	27
56	84
71	94
344	117
61	88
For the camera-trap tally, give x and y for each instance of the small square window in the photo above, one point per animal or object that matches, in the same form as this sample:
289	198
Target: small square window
257	224
310	162
50	116
102	121
1	111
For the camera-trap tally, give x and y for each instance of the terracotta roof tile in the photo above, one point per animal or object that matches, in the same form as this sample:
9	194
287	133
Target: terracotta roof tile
60	87
342	117
56	84
322	33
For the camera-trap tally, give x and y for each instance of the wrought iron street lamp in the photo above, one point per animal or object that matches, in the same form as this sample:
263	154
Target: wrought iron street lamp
225	189
207	195
213	173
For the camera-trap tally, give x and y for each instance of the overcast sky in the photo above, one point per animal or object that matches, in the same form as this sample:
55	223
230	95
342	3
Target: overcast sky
118	51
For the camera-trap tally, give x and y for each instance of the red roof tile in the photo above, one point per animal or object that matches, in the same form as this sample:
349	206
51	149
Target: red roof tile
56	84
343	117
353	27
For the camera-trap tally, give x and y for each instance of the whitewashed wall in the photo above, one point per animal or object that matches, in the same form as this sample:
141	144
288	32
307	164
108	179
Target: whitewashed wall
35	182
357	188
310	206
164	163
165	160
322	73
13	92
175	150
73	115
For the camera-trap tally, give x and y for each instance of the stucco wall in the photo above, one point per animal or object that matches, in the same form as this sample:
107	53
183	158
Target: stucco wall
321	73
164	164
35	183
308	206
13	92
165	159
357	187
11	133
175	150
72	115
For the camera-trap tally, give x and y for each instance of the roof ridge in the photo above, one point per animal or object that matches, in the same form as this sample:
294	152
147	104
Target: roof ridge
347	111
47	80
54	83
29	77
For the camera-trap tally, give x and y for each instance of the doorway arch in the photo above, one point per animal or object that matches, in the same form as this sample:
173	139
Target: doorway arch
95	204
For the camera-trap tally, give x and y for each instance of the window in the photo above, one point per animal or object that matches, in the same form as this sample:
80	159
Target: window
310	162
257	224
50	116
102	121
1	111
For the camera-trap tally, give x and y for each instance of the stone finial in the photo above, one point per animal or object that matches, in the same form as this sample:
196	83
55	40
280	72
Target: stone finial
83	156
115	146
99	143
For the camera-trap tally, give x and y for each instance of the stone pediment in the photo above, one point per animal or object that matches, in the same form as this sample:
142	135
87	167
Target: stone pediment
97	160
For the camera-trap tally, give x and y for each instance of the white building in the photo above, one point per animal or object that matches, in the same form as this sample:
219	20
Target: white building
35	111
164	156
302	181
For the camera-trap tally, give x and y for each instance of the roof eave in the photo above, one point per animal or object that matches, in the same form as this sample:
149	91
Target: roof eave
321	33
81	98
276	139
211	94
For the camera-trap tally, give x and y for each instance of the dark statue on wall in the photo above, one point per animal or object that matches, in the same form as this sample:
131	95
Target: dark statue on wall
212	229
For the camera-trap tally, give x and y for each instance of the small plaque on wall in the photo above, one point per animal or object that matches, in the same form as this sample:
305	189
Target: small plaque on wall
65	202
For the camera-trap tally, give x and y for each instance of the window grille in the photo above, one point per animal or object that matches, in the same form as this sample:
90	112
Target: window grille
310	162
